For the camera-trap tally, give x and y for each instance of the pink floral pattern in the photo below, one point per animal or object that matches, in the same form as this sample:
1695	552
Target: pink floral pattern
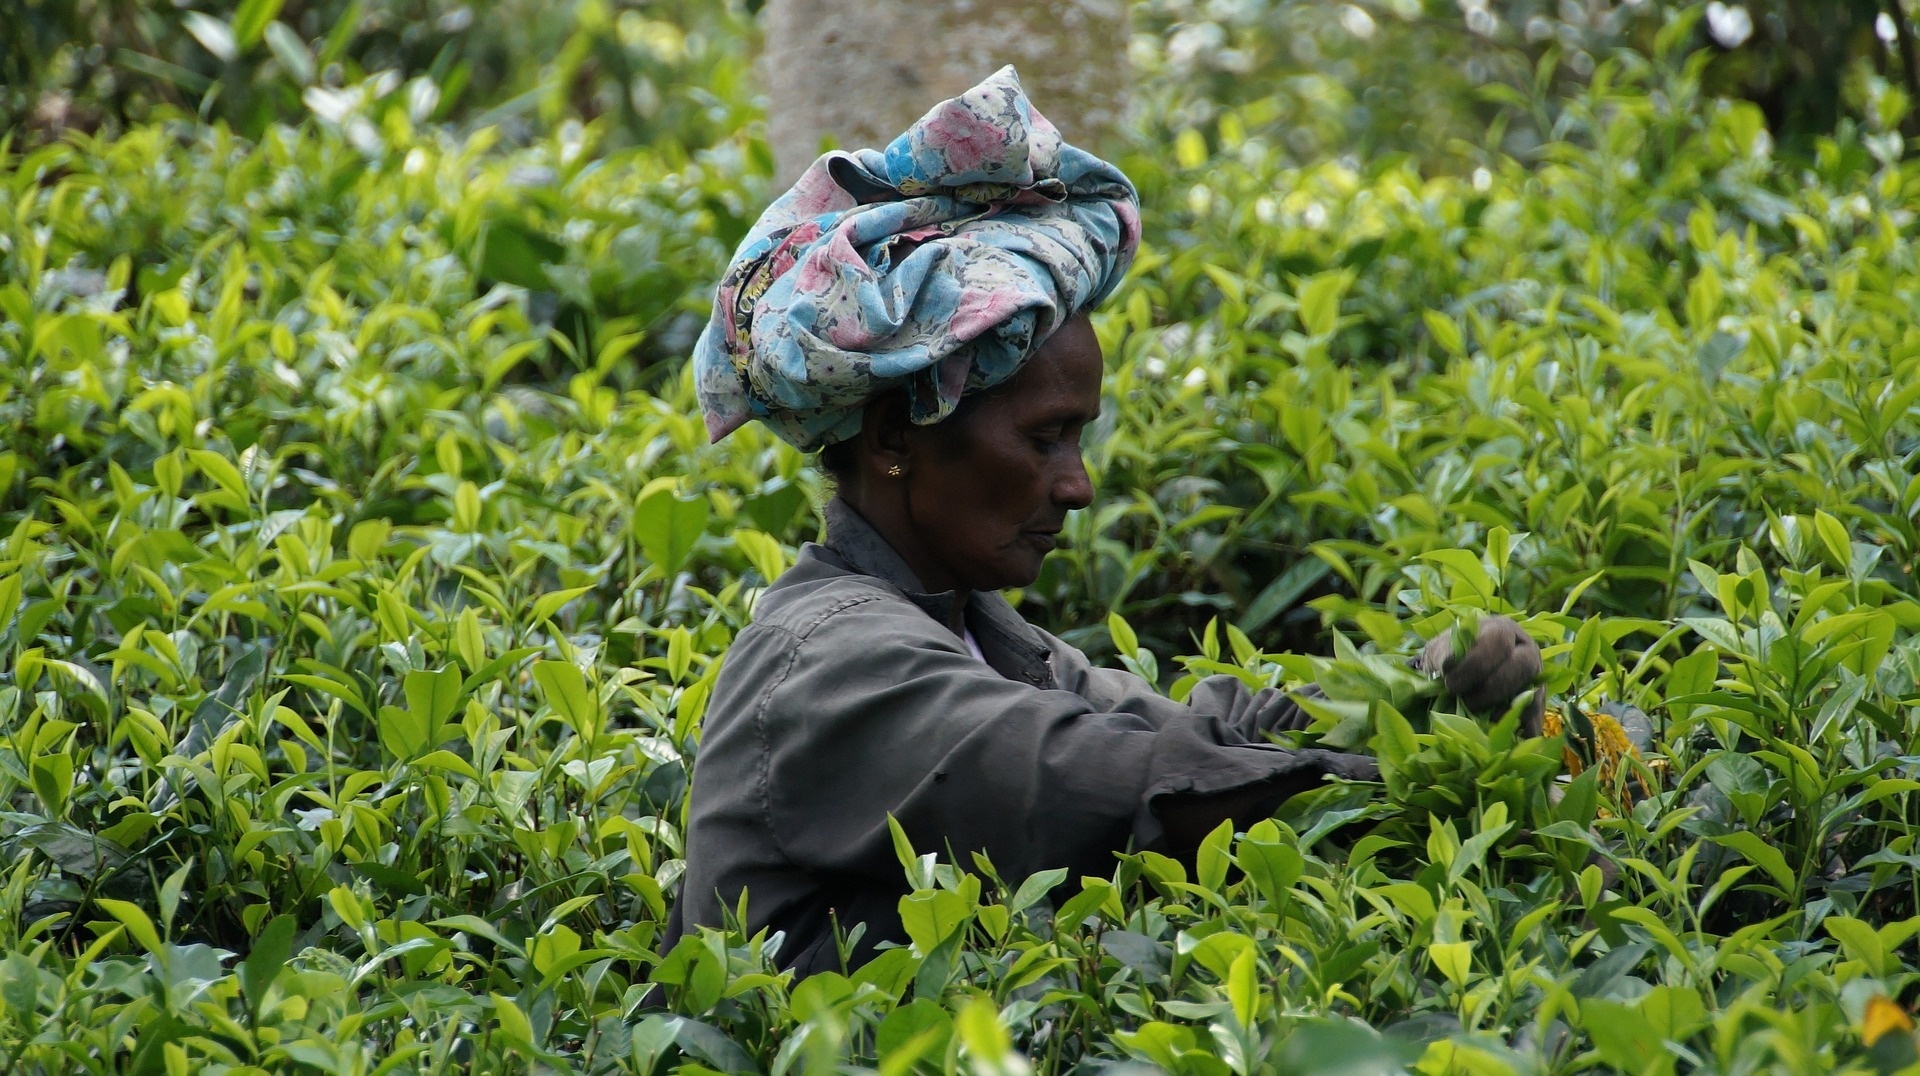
938	265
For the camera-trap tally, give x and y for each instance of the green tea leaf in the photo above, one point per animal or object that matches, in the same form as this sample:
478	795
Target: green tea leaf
1036	887
512	1023
1319	297
1213	858
296	59
1243	989
434	696
1761	854
212	34
564	688
667	526
404	732
250	20
134	918
268	957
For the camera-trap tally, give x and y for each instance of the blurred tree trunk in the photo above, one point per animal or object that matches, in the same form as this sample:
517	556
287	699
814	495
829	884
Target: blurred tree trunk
858	72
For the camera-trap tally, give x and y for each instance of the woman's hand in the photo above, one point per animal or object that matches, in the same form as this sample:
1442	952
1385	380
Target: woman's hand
1188	819
1502	661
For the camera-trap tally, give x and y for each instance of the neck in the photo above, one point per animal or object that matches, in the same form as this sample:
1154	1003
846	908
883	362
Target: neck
891	517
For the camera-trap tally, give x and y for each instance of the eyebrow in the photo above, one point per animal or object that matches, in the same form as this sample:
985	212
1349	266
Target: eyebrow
1065	416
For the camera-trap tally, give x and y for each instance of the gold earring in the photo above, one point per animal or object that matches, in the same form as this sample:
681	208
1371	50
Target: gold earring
894	471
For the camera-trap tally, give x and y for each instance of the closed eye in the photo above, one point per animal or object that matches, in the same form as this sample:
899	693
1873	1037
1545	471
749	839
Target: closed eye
1052	437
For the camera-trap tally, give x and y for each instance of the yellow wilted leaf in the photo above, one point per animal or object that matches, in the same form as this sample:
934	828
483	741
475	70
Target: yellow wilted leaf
1610	745
1552	724
1608	750
1884	1017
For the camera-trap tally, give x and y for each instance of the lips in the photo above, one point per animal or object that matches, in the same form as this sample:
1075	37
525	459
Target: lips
1046	541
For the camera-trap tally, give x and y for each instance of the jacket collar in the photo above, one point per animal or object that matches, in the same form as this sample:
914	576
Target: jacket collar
1010	645
865	551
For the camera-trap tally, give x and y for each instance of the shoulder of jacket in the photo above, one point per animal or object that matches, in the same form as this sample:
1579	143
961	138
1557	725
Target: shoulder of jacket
806	608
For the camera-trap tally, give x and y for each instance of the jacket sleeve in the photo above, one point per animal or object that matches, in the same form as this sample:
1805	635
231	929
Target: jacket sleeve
1252	714
879	711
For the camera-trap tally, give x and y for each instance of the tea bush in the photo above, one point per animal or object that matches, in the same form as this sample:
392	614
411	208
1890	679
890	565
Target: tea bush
654	72
1427	77
364	571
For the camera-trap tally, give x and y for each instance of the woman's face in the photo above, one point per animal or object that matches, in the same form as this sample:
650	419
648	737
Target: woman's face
988	489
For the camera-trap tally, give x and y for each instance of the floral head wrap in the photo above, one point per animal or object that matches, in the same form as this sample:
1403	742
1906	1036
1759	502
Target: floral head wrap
939	266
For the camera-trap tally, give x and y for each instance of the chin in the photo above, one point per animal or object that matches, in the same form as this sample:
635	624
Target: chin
1020	575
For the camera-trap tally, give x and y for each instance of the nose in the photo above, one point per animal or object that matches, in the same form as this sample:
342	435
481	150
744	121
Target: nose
1072	486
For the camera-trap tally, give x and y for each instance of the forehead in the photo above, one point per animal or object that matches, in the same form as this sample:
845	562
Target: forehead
1062	380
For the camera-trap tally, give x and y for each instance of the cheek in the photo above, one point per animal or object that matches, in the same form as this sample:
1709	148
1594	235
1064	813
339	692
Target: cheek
989	507
983	509
1011	489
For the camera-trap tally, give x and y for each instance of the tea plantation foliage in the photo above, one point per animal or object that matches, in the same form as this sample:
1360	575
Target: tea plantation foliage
364	572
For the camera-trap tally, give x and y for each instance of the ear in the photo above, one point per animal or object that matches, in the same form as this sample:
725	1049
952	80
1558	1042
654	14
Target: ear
885	433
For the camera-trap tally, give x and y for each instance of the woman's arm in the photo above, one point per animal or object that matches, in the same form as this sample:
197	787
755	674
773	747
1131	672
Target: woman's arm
881	712
1250	714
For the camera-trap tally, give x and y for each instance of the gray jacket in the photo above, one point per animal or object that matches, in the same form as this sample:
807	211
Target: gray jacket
848	699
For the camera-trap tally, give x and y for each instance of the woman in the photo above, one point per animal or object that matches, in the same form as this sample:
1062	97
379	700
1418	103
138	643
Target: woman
920	316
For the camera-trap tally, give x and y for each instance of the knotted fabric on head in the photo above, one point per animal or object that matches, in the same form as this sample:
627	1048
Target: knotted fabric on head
938	266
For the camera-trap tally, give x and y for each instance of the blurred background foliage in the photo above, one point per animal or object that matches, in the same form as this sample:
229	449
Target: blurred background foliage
1453	80
658	71
1428	77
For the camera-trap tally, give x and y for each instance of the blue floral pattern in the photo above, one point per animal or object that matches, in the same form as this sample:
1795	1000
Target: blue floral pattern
938	266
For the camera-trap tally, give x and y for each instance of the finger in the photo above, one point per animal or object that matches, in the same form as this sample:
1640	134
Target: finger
1534	720
1361	768
1349	767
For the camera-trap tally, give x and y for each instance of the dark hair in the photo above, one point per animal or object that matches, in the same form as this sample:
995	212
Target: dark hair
841	460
